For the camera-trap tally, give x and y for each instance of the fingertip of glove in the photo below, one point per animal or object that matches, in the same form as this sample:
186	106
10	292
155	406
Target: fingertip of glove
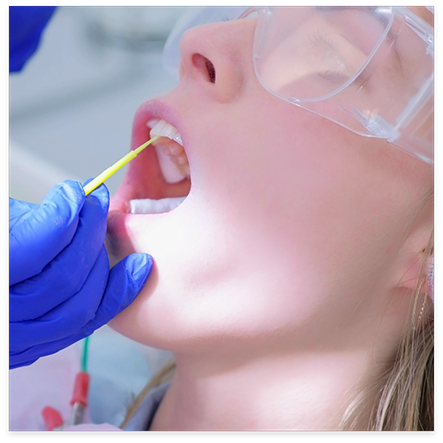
141	267
135	269
101	193
71	190
63	202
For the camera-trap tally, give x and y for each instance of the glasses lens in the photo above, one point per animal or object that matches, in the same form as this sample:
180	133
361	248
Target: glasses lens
308	53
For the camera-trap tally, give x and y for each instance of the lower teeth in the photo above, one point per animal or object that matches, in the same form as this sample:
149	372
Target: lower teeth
148	206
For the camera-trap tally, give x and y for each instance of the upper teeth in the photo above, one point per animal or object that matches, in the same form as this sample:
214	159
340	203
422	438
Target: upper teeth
164	129
171	156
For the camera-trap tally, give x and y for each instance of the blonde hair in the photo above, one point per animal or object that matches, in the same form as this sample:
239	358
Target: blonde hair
404	393
407	398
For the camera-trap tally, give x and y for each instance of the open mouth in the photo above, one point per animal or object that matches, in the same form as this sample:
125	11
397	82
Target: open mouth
159	180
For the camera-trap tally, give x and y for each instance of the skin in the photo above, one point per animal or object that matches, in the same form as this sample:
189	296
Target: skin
283	282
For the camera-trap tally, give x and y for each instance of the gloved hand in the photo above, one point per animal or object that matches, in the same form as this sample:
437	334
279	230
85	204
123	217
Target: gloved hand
60	286
26	25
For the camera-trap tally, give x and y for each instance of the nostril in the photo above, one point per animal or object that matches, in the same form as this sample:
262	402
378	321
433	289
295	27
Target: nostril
211	70
204	64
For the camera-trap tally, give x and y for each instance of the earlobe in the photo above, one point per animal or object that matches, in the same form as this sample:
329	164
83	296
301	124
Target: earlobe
414	274
419	270
417	283
416	254
418	261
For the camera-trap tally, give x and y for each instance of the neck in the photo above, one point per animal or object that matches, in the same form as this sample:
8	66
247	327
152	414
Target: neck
286	392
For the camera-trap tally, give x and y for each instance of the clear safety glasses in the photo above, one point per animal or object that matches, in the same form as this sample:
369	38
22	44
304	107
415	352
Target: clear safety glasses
369	69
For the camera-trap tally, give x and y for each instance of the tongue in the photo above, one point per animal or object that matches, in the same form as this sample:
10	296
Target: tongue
148	206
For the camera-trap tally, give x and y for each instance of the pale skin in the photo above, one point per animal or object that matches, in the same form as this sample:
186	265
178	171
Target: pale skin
282	283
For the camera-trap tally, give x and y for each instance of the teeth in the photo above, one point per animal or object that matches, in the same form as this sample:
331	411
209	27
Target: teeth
164	129
171	171
148	206
171	156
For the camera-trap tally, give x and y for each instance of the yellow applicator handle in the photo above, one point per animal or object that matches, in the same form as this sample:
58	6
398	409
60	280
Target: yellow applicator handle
116	166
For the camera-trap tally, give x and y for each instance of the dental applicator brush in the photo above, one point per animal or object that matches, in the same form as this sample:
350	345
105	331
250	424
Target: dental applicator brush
116	166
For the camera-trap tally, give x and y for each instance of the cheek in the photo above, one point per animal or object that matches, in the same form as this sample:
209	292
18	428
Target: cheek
279	184
308	193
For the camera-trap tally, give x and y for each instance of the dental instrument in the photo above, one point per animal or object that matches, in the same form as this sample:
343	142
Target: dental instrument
52	417
116	166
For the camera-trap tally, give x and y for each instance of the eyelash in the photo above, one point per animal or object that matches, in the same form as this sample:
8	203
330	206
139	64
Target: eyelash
319	39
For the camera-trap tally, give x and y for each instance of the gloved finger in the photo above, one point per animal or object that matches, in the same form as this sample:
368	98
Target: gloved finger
130	275
26	25
67	273
44	231
67	318
126	280
19	360
17	209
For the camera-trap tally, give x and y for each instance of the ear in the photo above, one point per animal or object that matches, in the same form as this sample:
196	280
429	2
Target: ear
416	256
418	269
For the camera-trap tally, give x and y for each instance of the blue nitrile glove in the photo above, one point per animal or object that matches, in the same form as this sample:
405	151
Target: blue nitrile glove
60	286
26	24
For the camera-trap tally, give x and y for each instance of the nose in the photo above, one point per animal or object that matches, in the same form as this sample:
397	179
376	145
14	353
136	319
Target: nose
218	56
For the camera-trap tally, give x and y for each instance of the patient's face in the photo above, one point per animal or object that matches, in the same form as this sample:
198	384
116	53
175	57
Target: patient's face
290	224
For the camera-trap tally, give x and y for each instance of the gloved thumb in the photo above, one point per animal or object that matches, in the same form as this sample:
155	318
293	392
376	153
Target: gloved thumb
45	230
125	281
